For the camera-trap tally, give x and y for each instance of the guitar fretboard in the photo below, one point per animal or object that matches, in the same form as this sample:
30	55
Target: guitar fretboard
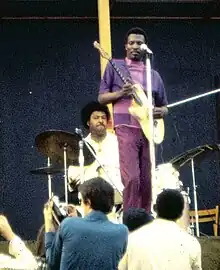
118	71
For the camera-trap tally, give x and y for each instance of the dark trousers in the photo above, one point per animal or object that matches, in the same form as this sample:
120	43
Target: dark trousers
135	167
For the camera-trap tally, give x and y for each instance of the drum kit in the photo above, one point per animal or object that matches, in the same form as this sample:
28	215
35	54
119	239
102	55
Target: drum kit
63	149
167	176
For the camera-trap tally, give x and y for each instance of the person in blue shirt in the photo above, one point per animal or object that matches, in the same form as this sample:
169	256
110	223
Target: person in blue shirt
89	243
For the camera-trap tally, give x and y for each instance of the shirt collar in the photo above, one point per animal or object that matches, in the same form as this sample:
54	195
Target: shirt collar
96	215
164	221
129	62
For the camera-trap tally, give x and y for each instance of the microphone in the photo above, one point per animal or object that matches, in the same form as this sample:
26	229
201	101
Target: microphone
145	49
79	132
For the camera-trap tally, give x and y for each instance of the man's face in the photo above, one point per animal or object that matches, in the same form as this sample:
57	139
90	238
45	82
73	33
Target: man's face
98	123
133	45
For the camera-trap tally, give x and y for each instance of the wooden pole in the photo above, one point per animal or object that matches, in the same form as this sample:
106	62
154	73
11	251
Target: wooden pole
105	40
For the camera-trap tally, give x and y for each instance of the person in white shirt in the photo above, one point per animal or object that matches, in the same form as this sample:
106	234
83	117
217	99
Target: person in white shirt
162	244
21	258
95	118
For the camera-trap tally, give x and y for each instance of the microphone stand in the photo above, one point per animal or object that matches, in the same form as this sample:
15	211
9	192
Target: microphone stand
79	132
81	161
150	117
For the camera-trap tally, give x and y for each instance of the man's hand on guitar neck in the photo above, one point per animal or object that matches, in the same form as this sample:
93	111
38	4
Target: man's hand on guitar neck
159	112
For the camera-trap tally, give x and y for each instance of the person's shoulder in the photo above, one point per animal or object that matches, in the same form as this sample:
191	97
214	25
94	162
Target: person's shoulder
193	240
111	136
155	73
118	60
71	222
120	228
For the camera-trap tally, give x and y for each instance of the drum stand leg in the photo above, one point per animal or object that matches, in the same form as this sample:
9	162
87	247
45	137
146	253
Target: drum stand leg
49	180
195	198
65	175
81	161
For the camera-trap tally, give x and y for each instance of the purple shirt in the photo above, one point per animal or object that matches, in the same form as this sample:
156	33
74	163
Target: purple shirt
111	82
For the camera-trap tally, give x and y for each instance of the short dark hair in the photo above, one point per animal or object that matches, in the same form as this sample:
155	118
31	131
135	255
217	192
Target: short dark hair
137	31
170	204
134	218
100	194
92	107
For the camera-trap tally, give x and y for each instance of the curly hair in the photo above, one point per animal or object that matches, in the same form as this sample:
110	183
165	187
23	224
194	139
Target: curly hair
90	108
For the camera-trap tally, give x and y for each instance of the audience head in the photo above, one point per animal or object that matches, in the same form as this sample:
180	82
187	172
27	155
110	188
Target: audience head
169	204
95	117
96	194
134	218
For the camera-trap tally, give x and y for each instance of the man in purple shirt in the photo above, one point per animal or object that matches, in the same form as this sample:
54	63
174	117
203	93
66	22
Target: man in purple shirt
133	146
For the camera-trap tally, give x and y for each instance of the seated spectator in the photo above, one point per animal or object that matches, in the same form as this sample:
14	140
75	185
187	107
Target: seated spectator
40	250
162	244
134	218
92	242
22	257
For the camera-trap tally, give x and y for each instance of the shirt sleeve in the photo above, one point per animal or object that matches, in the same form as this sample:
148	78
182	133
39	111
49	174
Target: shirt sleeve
23	255
160	98
53	245
197	262
107	80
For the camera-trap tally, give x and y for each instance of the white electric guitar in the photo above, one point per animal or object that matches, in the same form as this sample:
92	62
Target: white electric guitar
140	105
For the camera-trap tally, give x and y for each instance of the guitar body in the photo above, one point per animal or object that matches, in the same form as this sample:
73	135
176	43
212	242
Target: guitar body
141	114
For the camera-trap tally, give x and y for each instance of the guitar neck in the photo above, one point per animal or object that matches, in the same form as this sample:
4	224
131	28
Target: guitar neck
118	71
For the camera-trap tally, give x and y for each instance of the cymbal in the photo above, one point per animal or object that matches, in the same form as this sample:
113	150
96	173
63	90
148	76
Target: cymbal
47	170
51	144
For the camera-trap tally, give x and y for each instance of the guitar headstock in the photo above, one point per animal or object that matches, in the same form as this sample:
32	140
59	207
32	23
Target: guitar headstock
101	51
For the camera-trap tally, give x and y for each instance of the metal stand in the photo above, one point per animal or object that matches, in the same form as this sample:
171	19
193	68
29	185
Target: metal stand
192	158
193	98
81	161
150	117
79	132
195	197
49	180
65	174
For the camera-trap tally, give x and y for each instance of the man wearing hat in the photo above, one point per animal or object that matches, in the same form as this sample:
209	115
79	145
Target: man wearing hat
95	117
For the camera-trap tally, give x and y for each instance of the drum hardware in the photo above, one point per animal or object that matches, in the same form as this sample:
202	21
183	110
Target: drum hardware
49	180
51	144
61	147
196	154
50	170
167	177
